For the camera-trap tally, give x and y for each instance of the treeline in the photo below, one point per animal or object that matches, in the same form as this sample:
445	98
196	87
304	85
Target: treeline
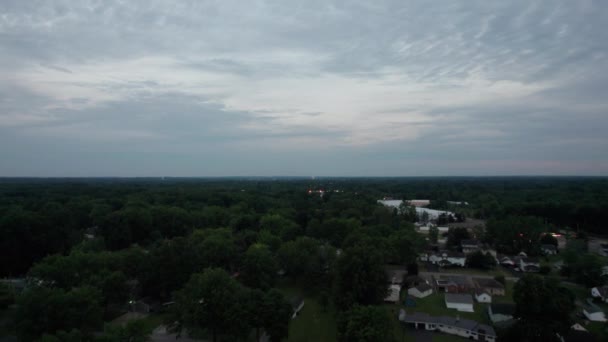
41	217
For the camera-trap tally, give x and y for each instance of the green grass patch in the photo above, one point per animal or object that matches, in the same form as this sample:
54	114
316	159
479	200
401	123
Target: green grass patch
313	323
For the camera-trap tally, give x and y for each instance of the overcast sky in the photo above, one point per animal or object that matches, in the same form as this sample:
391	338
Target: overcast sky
326	88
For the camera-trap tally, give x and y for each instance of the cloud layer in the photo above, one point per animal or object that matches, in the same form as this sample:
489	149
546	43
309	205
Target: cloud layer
384	88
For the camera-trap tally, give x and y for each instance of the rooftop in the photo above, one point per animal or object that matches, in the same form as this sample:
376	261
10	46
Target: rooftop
467	324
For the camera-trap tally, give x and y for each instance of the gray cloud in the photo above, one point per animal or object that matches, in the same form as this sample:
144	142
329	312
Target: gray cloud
320	87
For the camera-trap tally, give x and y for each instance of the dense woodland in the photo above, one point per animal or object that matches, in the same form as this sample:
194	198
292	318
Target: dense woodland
214	247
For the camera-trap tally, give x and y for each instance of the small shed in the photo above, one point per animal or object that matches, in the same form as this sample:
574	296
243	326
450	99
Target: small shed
394	292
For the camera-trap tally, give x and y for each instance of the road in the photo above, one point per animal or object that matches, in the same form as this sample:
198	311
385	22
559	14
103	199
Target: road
464	274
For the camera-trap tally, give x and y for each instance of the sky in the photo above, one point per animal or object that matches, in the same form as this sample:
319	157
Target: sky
303	88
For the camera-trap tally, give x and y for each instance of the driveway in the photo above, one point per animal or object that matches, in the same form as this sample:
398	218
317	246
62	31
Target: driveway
160	334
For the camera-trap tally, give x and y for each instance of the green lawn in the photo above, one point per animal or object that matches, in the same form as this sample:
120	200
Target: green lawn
313	323
508	297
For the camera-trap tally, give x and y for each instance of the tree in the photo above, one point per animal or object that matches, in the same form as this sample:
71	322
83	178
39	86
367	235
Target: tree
306	260
542	307
359	278
259	267
211	301
548	239
43	310
456	235
407	212
276	314
433	234
480	260
364	324
133	331
407	244
6	296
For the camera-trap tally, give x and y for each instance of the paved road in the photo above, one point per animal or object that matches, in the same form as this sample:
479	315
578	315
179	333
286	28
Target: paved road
464	274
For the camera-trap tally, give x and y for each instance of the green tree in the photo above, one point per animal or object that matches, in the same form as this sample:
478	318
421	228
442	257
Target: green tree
211	301
480	260
276	314
43	310
456	235
365	324
359	277
433	234
407	244
259	267
133	331
6	296
542	307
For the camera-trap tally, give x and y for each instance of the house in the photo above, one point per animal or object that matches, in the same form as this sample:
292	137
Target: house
491	286
594	313
454	284
482	296
548	249
395	275
600	292
420	291
528	264
500	313
450	325
297	303
394	291
469	246
459	301
444	258
506	261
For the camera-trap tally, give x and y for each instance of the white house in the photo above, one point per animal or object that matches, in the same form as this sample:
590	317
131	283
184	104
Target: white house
483	297
420	291
469	246
460	302
600	292
444	258
506	261
393	293
450	325
594	313
528	264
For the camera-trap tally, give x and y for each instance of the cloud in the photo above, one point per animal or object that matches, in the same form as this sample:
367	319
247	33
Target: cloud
399	88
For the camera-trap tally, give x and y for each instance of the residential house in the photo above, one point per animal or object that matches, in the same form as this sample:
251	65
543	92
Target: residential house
548	249
506	261
454	284
420	291
500	313
450	325
444	258
482	296
459	301
491	286
594	313
526	264
394	291
469	246
600	292
297	303
395	275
